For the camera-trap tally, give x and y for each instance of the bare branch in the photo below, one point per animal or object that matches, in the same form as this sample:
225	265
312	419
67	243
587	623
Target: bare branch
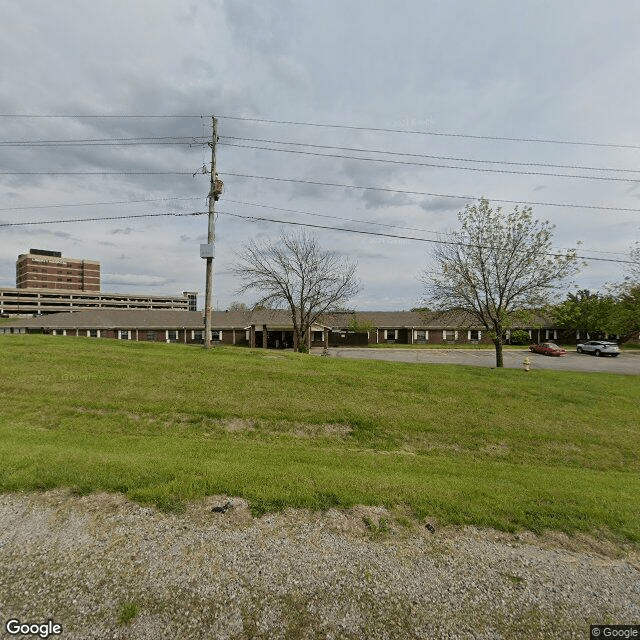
296	273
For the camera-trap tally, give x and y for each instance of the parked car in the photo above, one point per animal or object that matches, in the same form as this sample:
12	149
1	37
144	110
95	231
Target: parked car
599	348
548	349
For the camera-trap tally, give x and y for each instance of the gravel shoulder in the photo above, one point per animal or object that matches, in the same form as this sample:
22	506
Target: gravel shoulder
104	567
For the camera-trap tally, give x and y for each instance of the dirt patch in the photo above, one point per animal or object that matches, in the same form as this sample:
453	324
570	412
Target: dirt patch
231	425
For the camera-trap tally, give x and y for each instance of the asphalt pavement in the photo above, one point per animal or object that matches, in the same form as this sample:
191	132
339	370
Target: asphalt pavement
625	363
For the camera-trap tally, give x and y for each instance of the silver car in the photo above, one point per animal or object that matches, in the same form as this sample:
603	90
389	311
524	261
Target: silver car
599	348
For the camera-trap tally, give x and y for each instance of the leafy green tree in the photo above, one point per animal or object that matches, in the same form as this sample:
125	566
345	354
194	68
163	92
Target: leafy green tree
519	336
360	326
626	321
586	312
495	266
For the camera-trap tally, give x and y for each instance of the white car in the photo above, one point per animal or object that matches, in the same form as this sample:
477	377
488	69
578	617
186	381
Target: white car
599	348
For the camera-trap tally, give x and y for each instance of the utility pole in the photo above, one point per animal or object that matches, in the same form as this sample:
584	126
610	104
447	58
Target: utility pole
207	250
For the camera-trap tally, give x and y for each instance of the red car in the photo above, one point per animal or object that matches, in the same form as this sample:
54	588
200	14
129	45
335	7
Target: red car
548	349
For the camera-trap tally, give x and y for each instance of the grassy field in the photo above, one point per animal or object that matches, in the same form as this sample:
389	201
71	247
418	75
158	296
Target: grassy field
168	423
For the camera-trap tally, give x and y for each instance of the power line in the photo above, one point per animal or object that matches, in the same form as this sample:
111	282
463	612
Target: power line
104	144
88	115
332	126
289	222
98	173
203	141
426	193
242	202
324	215
379	224
97	219
432	133
105	141
96	204
424	155
436	166
389	235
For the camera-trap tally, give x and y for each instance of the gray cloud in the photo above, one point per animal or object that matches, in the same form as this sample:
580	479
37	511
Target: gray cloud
381	199
126	231
133	279
438	205
316	62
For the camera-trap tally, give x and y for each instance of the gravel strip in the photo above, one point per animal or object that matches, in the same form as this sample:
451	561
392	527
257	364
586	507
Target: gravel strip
103	567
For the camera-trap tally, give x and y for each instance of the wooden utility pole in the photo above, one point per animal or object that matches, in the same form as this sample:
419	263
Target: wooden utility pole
214	192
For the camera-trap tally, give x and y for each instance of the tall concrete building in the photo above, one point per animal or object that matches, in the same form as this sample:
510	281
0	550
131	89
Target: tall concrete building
47	282
43	269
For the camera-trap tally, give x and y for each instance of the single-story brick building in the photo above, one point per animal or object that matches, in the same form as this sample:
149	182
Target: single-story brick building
270	328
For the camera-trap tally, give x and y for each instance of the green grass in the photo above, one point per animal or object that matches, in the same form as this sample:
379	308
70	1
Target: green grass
165	424
127	612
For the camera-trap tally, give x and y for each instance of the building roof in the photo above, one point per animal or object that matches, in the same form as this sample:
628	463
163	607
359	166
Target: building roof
416	319
178	319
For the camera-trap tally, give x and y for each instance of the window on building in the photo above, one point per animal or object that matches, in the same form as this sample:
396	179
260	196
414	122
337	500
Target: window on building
421	336
449	335
173	336
318	336
151	335
124	335
391	335
216	335
93	333
474	335
198	336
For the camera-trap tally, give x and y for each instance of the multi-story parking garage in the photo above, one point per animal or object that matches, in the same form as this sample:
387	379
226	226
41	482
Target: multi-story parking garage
48	282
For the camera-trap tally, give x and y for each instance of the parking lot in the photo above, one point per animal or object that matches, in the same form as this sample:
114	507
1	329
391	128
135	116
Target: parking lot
626	363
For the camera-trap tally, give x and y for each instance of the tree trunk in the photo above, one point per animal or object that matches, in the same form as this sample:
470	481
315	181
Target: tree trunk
498	343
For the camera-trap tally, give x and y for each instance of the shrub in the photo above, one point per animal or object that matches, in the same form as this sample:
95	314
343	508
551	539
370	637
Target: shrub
520	336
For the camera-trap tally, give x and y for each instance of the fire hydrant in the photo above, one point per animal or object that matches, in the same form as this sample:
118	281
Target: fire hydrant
526	364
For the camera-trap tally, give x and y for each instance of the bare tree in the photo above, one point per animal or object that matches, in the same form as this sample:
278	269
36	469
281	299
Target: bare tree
496	267
296	273
238	306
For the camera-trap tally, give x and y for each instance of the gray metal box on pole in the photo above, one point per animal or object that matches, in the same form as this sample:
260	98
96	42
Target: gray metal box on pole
207	250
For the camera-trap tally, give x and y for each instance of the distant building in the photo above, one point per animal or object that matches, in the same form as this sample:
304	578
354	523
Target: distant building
47	282
23	302
44	269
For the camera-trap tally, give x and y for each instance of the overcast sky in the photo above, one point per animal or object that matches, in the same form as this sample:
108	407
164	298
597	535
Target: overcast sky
562	71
